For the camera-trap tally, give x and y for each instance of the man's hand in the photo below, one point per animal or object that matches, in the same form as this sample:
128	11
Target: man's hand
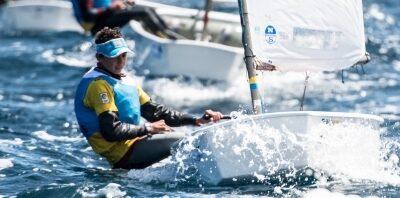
122	4
209	116
158	127
118	5
129	2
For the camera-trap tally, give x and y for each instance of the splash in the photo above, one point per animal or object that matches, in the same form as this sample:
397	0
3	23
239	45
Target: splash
162	172
238	152
349	151
320	192
253	151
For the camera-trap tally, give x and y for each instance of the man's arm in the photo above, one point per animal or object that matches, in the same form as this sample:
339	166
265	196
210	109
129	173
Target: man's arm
152	112
112	129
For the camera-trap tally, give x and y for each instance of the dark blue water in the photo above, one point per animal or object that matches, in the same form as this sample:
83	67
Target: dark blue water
43	154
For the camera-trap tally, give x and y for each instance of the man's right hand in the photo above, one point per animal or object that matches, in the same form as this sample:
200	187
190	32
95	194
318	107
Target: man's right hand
122	4
159	127
129	2
209	116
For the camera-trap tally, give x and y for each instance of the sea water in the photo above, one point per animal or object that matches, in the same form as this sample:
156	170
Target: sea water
43	154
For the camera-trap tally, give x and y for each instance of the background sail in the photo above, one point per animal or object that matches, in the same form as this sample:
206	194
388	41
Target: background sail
307	35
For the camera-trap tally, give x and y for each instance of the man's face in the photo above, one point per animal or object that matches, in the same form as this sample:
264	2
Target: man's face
114	65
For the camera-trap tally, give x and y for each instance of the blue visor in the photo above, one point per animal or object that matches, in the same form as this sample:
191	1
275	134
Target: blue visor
113	48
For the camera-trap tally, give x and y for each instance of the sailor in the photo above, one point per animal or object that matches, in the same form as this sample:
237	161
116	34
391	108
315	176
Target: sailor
109	106
93	15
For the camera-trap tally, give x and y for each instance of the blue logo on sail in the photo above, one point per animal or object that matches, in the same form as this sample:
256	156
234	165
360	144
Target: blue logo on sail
270	34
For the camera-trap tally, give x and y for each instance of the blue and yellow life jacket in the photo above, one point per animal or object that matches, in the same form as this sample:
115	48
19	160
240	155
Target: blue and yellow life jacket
125	97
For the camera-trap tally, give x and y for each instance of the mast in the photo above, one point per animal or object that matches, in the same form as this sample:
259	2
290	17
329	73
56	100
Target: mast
249	58
207	8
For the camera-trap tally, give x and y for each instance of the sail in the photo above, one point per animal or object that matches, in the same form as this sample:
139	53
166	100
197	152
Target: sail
307	35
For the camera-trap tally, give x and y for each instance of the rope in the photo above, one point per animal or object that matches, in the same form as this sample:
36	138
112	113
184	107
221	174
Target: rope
304	91
342	76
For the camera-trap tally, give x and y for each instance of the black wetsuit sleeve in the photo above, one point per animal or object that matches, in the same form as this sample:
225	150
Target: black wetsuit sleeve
112	129
153	112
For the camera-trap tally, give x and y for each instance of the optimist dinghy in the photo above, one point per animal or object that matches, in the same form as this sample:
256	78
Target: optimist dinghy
286	35
217	58
156	147
38	16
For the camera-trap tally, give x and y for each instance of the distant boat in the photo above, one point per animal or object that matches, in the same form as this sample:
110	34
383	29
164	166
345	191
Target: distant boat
218	58
211	53
287	35
38	16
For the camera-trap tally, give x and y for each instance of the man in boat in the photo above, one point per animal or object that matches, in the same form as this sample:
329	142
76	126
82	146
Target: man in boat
93	15
108	107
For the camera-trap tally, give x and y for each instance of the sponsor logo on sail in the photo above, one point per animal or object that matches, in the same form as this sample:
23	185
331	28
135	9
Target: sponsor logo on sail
270	34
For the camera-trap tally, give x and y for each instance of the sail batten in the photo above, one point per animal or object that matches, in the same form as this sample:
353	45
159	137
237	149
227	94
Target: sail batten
307	35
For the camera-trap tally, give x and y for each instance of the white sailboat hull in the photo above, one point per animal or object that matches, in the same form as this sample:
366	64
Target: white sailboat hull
165	57
224	28
224	161
38	16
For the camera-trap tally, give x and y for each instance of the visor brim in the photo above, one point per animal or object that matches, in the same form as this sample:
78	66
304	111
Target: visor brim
116	52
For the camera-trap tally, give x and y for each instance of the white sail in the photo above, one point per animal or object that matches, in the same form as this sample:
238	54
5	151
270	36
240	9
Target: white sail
307	35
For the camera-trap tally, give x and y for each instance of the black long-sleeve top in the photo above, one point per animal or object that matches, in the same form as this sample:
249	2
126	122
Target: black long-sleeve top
113	129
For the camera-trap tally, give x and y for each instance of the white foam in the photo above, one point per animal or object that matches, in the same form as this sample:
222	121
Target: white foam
82	56
349	151
376	12
163	171
45	136
274	87
27	98
321	192
396	65
111	190
16	141
6	163
180	94
390	111
73	61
